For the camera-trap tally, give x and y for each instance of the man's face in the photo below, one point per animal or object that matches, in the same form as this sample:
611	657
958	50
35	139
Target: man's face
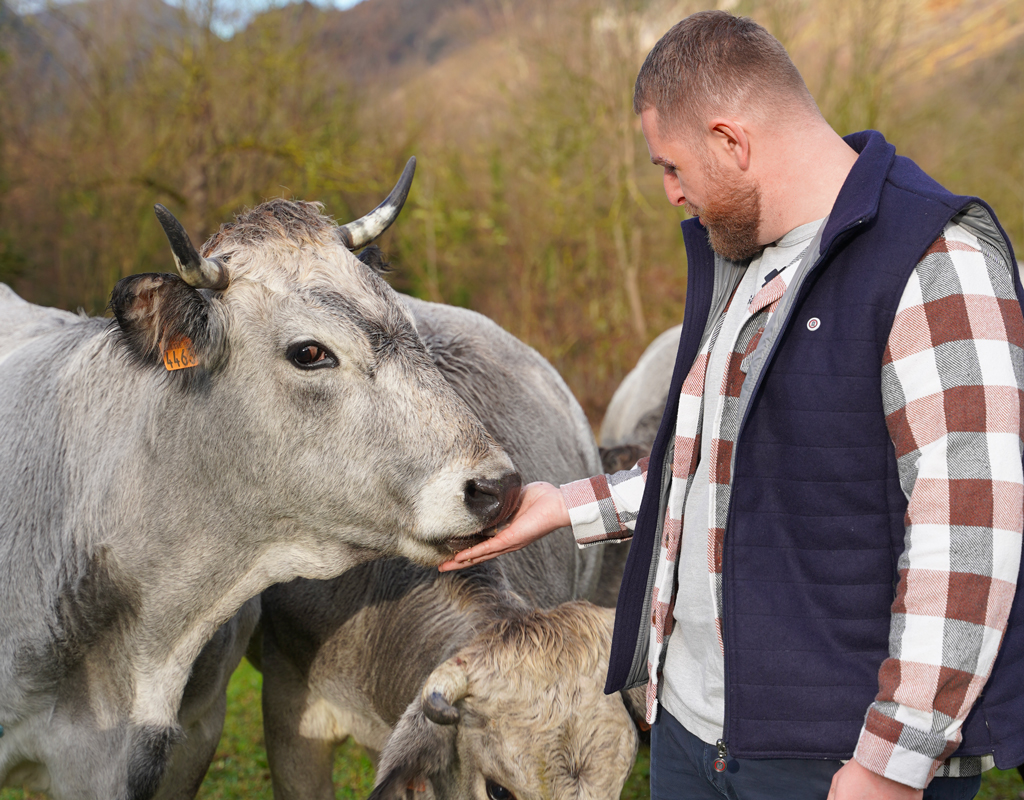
726	203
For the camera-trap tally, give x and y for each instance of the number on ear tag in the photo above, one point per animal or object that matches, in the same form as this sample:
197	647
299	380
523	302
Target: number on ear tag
179	355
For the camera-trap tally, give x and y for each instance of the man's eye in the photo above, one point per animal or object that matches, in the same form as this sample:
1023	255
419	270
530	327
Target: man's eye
311	355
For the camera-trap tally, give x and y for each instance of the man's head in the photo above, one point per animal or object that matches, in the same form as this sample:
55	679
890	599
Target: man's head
712	187
713	64
710	83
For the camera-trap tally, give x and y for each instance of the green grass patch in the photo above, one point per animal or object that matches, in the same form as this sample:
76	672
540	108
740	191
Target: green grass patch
239	770
1003	784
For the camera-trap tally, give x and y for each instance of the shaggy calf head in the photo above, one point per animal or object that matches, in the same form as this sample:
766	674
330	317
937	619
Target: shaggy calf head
519	713
310	399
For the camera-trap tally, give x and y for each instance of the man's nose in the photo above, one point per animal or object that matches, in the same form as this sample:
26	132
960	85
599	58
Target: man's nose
673	191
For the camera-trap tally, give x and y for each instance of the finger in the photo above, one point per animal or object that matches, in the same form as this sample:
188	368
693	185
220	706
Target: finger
496	545
465	559
451	566
493	547
473	555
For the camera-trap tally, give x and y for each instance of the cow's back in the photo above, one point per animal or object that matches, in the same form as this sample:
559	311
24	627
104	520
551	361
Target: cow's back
517	394
21	321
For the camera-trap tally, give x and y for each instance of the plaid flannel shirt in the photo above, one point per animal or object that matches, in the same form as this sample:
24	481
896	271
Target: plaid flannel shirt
952	374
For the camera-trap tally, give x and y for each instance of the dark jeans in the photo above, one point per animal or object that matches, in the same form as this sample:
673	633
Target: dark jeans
681	769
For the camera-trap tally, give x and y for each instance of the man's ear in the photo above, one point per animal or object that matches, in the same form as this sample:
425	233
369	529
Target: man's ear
165	321
729	138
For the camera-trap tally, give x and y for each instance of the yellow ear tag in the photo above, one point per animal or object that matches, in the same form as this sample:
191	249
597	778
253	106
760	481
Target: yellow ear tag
179	355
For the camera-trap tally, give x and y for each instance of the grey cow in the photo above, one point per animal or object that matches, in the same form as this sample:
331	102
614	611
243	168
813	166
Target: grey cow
142	505
458	681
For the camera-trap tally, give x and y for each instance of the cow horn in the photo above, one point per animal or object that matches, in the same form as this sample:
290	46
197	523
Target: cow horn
367	228
196	271
444	688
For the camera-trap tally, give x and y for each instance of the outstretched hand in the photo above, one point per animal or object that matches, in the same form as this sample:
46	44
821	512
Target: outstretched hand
541	510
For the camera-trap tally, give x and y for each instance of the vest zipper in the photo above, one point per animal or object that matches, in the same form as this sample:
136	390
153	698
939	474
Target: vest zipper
739	433
798	288
723	753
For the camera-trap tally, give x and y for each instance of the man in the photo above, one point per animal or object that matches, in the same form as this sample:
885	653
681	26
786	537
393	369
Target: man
830	520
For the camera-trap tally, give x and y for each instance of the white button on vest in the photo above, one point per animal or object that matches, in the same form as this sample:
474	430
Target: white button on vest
813	324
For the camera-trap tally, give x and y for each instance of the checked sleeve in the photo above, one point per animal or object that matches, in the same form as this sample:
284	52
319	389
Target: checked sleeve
604	508
952	375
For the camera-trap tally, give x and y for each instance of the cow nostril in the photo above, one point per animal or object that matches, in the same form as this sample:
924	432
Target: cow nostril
494	501
483	496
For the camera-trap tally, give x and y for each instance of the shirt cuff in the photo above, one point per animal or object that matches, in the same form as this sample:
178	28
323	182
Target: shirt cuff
592	511
892	747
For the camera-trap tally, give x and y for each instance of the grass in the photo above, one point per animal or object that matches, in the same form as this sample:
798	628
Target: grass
239	770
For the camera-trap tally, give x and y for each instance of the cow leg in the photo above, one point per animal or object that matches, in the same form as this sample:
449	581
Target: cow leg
300	767
204	705
300	764
191	758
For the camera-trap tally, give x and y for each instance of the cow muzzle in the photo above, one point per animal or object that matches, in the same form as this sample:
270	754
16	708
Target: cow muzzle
463	509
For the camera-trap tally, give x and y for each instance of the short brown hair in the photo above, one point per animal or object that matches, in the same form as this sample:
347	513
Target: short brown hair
713	62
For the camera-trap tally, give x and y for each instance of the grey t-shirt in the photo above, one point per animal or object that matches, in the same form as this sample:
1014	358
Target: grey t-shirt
693	686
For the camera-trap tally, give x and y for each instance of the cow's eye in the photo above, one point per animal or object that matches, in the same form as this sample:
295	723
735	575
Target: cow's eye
311	355
495	791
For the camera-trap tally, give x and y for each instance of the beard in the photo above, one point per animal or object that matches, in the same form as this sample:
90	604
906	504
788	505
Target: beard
733	218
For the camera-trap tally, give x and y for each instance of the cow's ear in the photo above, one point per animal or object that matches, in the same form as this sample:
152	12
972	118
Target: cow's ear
164	321
374	259
625	456
419	750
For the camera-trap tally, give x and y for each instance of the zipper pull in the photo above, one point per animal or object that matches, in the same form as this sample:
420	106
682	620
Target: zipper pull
719	764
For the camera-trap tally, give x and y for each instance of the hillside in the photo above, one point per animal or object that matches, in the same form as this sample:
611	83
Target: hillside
380	36
534	200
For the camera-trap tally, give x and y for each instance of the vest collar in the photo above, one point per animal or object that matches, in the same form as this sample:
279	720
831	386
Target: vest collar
858	199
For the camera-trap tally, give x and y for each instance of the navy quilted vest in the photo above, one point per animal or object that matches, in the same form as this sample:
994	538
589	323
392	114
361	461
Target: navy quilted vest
816	520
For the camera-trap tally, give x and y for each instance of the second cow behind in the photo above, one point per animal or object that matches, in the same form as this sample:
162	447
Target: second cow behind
483	684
